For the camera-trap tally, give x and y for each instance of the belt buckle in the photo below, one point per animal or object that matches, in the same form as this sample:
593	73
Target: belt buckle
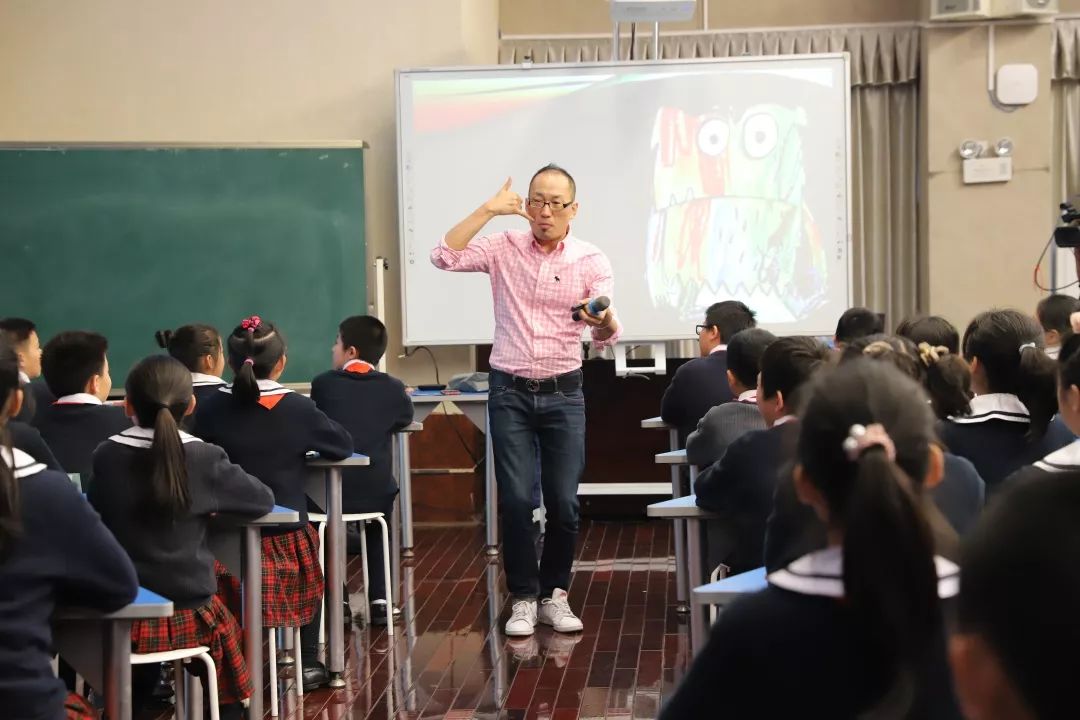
532	385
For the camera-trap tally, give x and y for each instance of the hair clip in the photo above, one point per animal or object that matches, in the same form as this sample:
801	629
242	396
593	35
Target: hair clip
252	323
1025	346
861	438
930	354
249	361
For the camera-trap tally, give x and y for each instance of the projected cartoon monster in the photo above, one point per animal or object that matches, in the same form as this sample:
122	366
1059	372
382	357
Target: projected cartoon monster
729	219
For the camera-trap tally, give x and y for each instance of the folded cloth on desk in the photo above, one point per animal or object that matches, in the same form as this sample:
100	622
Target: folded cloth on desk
476	382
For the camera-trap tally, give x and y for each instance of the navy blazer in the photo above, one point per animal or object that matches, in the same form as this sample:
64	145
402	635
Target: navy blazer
697	386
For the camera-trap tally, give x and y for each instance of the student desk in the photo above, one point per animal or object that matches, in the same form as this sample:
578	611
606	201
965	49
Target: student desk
237	544
474	407
676	458
685	508
330	500
723	592
98	646
403	475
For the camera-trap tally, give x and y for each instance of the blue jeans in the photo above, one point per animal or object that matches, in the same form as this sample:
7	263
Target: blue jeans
520	419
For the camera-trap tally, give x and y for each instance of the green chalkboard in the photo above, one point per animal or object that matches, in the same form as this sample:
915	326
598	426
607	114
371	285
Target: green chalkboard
125	241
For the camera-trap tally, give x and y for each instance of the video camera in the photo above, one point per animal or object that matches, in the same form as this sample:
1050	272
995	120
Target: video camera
1068	235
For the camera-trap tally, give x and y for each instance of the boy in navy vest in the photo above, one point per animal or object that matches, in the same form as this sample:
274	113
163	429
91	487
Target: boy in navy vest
372	406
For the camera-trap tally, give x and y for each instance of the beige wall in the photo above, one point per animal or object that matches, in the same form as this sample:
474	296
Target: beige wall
238	71
520	17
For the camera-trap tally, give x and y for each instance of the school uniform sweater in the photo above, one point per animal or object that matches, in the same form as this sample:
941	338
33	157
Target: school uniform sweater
696	386
740	487
1067	459
74	426
794	650
994	437
270	439
372	406
29	440
203	386
63	556
721	426
794	530
36	395
171	554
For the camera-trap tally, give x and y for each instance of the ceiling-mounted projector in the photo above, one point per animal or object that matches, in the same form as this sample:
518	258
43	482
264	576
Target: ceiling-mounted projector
654	11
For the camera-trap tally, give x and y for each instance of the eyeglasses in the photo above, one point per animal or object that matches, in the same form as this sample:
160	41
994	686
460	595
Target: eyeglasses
555	205
698	329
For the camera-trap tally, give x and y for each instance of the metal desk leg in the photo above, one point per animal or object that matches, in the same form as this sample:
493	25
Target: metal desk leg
335	541
405	496
117	647
491	510
696	571
253	627
682	589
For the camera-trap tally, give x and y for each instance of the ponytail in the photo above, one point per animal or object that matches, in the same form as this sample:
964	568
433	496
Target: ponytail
890	580
255	347
169	494
10	510
1036	386
163	338
245	386
948	381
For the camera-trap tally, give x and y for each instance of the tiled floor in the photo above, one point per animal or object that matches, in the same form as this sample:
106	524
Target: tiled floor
446	661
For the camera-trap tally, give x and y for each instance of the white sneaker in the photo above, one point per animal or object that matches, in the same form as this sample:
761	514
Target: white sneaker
522	619
555	611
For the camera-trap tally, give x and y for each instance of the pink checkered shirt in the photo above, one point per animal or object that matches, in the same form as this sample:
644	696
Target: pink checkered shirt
535	337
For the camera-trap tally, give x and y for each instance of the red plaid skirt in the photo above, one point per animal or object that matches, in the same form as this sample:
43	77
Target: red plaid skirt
292	581
77	708
228	590
212	626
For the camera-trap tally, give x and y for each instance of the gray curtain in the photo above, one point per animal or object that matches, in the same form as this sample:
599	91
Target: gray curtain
884	117
1065	157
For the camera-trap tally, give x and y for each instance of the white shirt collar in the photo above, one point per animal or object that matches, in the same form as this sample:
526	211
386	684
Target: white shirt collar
784	420
1053	351
21	464
361	363
822	573
24	379
718	348
995	406
202	380
140	437
266	387
79	399
750	396
1062	460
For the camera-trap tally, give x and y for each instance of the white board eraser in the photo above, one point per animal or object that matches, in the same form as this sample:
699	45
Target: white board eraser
1017	84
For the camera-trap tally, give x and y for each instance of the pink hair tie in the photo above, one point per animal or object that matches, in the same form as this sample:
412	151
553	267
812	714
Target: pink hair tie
862	437
249	361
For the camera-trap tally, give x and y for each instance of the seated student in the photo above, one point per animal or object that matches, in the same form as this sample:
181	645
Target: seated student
268	429
22	335
953	504
855	323
701	383
156	488
199	348
1012	421
740	486
1016	614
372	406
1053	314
856	629
27	438
54	551
77	371
933	330
725	423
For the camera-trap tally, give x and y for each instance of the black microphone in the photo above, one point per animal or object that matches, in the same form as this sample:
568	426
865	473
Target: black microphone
596	306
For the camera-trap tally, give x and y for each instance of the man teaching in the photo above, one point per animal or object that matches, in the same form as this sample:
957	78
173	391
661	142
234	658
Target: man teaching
537	278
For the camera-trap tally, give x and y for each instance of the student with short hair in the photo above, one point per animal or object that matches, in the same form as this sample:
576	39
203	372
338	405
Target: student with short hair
855	323
268	430
372	406
933	330
54	551
76	367
1012	421
156	488
726	423
856	629
22	334
1053	314
740	486
1017	625
199	349
701	383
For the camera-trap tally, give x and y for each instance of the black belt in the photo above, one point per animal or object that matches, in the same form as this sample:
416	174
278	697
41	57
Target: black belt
565	383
